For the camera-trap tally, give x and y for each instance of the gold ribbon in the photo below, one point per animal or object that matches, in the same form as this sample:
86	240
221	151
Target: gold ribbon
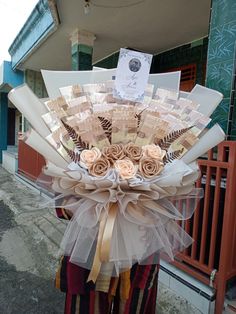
106	226
104	242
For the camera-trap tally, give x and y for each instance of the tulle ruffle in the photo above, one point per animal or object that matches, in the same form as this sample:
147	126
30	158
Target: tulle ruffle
149	215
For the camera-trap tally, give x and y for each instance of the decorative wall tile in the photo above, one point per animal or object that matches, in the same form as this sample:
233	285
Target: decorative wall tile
81	57
74	61
223	11
219	77
220	115
221	55
85	59
85	49
222	43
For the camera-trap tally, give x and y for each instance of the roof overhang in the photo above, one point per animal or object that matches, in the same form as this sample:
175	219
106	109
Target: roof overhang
152	26
42	22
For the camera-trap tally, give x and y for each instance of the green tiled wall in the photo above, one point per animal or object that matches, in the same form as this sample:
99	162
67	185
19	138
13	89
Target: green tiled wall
81	57
195	52
35	81
220	61
109	62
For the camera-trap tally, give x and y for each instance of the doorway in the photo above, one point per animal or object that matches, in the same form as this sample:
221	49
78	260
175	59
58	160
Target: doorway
11	124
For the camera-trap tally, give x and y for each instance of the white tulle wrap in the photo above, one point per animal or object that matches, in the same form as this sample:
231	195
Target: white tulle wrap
148	218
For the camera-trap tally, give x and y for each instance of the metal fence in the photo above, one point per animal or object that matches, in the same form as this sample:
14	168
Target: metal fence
212	256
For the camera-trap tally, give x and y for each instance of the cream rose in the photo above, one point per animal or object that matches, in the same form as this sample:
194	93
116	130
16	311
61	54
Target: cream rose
114	152
133	152
125	168
89	156
153	151
150	167
100	167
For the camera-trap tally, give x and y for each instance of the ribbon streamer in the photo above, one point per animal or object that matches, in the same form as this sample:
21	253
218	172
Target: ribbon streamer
104	242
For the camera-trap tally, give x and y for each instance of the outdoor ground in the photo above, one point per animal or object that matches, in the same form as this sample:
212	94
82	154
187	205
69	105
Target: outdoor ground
29	243
27	253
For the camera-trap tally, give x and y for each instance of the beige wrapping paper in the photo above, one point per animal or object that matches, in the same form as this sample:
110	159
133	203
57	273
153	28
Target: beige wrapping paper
208	99
209	140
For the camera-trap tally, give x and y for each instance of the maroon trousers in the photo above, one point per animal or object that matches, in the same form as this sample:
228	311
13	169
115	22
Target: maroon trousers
140	301
85	298
139	288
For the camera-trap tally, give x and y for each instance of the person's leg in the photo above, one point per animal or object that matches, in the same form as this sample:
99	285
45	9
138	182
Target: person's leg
70	303
143	292
93	302
151	301
135	293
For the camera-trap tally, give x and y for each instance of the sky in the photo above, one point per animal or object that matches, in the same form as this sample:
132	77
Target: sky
13	15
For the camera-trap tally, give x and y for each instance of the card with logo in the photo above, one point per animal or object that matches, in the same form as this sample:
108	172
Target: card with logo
132	75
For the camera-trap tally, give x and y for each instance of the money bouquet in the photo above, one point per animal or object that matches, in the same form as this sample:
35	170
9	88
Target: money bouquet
125	169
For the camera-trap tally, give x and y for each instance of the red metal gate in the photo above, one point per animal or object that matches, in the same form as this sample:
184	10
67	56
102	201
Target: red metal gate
30	162
188	76
213	226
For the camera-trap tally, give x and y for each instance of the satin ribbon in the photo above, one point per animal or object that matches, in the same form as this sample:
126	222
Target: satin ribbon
143	204
104	241
106	227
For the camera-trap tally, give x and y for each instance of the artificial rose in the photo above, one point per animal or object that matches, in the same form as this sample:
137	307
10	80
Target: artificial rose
150	167
134	152
153	151
114	152
89	156
100	167
125	168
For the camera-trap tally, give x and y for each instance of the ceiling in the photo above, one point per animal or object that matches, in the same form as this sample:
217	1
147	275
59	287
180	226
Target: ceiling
151	26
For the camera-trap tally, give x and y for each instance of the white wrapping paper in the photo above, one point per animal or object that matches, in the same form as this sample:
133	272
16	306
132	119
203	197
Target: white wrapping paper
57	79
208	99
39	144
31	107
210	139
